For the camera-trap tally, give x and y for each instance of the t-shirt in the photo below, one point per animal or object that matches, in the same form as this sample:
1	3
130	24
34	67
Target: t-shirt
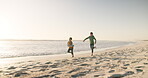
91	39
70	44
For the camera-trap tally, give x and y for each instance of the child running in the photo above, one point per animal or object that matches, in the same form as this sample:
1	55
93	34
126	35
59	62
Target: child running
71	46
91	39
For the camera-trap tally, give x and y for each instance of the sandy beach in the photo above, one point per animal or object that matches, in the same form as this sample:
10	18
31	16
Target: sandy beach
129	61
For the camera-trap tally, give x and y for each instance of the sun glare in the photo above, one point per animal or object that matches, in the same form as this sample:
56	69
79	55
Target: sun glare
5	29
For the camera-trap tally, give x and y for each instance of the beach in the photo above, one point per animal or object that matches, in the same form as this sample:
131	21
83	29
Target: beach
130	61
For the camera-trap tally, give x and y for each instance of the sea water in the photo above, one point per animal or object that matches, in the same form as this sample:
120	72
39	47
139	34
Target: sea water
9	49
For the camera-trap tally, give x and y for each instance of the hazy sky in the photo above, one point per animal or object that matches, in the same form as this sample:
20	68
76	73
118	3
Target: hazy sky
60	19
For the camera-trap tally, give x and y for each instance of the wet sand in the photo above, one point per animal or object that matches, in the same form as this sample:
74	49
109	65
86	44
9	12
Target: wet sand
129	61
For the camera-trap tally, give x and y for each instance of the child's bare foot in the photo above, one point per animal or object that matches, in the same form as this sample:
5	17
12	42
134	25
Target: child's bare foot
94	47
68	52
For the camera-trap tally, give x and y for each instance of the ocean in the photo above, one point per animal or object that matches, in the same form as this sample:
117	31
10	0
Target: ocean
9	49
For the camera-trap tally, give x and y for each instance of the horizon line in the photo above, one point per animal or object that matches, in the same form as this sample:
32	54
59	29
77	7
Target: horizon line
55	40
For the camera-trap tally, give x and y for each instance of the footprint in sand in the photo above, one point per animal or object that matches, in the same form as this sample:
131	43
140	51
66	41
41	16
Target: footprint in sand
1	71
30	61
135	62
55	71
54	75
116	76
48	63
7	73
111	71
18	74
44	76
96	75
122	75
84	65
42	69
53	66
124	67
126	64
80	74
44	66
12	67
139	70
65	60
38	62
145	63
97	63
24	69
140	67
128	73
99	75
74	70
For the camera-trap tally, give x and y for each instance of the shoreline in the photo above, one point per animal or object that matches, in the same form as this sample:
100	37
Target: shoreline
79	52
12	60
115	61
24	49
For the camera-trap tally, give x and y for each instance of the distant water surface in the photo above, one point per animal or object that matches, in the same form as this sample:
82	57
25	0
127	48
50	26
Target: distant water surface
10	49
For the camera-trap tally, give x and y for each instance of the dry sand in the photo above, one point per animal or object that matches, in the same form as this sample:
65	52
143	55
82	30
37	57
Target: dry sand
129	61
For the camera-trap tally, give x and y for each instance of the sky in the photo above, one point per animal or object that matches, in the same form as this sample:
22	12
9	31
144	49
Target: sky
61	19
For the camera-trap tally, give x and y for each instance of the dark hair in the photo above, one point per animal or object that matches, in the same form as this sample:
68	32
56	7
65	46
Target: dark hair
70	38
91	32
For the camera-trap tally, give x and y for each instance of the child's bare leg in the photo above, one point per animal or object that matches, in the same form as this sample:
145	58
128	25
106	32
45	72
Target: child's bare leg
68	50
92	52
72	53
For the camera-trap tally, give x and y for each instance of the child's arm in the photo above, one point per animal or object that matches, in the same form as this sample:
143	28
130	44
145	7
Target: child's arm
95	40
68	44
85	39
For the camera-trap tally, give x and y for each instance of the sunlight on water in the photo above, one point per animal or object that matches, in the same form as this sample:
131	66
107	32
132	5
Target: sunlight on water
10	49
3	45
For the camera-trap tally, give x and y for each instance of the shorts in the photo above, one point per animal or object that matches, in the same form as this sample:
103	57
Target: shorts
70	49
92	46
